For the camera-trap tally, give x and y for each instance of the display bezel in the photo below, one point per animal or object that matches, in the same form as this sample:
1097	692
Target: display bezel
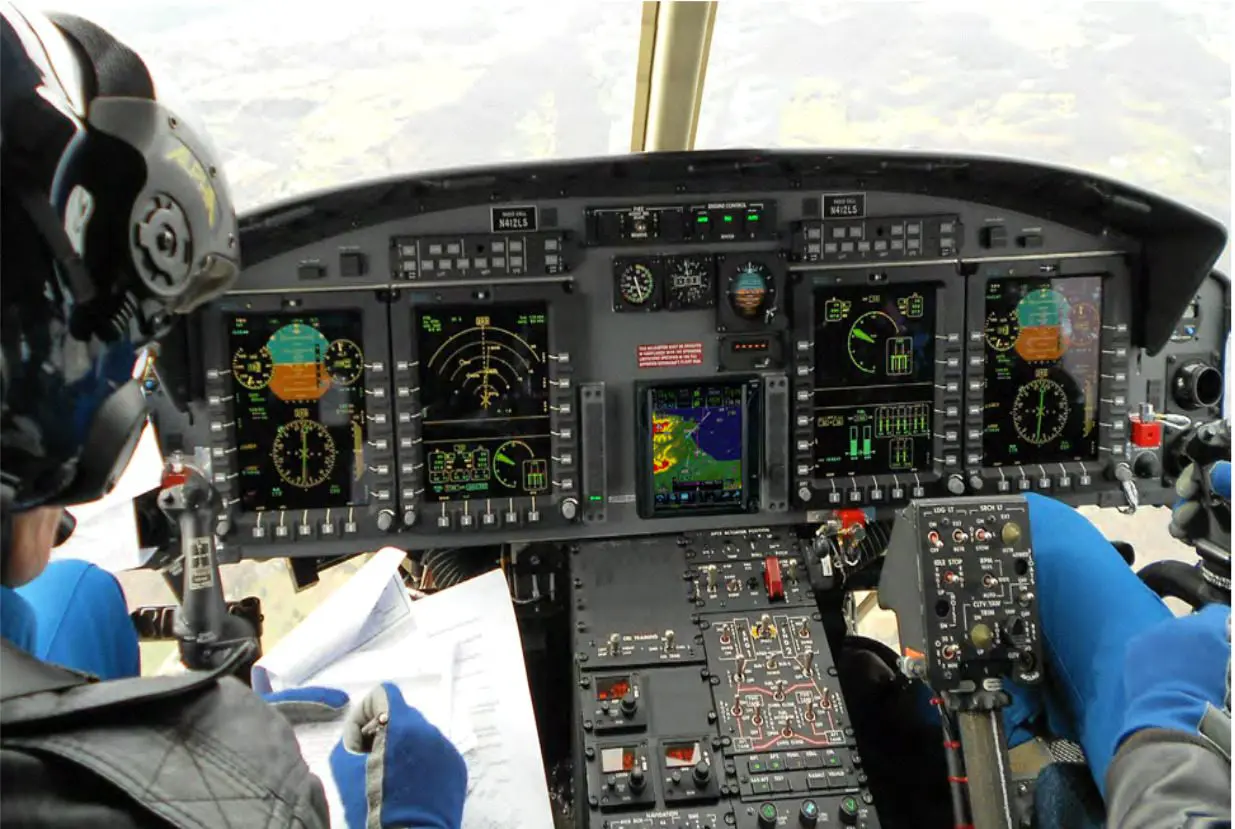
752	428
450	516
841	489
284	525
1113	373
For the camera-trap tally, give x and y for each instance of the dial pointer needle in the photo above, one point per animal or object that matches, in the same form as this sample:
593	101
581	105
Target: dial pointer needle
304	454
1041	410
863	336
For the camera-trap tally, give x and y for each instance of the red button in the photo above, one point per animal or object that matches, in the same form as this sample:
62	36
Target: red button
1146	435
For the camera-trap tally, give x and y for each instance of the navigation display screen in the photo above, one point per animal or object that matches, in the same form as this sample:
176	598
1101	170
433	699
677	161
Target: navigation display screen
697	436
874	379
1042	352
299	387
484	384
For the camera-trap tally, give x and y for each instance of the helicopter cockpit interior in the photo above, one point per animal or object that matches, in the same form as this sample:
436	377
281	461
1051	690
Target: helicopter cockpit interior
689	395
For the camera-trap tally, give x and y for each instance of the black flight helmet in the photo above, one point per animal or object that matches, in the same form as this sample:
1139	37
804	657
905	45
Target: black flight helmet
116	217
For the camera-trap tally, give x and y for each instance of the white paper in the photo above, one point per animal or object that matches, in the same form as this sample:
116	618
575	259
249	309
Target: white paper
370	602
506	775
106	533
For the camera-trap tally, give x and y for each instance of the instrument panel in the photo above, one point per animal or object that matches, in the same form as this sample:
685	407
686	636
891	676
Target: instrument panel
458	365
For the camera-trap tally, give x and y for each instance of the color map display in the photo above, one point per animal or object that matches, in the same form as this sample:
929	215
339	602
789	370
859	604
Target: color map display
298	382
698	436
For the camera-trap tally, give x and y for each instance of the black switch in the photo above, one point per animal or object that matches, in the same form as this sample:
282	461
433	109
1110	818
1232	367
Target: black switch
993	236
352	264
1029	240
311	270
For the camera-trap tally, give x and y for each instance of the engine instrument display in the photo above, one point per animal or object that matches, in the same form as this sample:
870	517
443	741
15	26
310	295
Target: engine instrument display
696	438
484	383
300	409
874	379
1041	371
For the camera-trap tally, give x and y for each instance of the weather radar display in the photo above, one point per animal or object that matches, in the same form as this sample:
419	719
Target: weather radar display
698	444
874	379
1042	352
484	383
298	385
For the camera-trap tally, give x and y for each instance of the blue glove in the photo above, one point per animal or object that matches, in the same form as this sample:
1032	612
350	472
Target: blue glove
396	765
307	705
1175	670
1092	605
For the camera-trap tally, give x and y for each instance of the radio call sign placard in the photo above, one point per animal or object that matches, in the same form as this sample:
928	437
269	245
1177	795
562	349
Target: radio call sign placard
505	219
844	205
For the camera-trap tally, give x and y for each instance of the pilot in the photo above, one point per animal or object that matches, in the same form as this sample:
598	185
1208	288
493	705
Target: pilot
1145	694
116	218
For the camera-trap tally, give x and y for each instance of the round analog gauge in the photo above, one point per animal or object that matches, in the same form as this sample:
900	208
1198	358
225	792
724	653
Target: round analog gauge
252	369
1040	411
751	290
303	453
637	284
690	283
344	361
1086	322
868	341
1001	330
512	465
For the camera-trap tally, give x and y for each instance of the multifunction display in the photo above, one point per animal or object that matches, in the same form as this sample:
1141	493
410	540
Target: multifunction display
1041	369
874	379
484	384
696	438
299	389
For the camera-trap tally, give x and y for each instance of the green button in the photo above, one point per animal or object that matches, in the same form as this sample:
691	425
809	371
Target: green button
775	764
849	805
809	808
768	811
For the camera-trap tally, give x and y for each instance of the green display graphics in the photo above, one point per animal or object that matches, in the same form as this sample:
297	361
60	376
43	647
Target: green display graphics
1042	354
698	447
874	379
298	385
484	384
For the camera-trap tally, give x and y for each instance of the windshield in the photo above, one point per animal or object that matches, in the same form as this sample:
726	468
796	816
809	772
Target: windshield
1140	92
313	99
301	100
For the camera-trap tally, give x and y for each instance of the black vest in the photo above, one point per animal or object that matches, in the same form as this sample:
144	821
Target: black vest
198	750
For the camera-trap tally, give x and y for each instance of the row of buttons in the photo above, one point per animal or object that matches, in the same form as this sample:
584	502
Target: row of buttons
478	255
465	519
839	778
793	762
947	424
878	238
1113	386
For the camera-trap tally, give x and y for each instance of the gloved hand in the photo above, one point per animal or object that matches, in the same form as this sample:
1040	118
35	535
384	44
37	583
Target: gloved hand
309	704
1091	605
395	769
1175	670
1190	518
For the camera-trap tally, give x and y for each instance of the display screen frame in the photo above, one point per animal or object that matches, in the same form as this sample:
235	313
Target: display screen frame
751	390
265	526
1116	323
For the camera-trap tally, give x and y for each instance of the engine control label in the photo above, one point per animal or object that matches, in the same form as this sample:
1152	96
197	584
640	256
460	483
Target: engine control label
670	355
844	205
505	219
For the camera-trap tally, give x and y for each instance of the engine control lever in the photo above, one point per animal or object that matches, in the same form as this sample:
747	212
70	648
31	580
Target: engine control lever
209	636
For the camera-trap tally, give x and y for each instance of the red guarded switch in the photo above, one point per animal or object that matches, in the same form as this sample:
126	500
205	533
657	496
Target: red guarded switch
772	580
1146	434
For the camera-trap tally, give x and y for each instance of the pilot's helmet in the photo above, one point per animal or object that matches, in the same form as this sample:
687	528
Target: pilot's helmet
116	217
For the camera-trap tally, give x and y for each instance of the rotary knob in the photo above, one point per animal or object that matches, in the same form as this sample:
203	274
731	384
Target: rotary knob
848	813
637	780
569	508
409	517
630	703
956	485
702	773
385	520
